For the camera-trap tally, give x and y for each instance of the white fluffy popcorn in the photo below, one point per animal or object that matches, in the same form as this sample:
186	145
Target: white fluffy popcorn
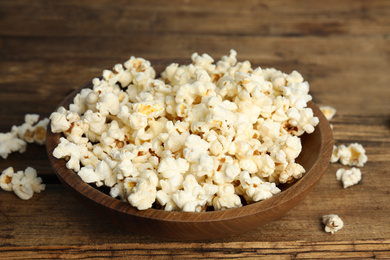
31	131
332	223
6	179
23	184
202	136
328	111
349	177
351	155
9	143
335	156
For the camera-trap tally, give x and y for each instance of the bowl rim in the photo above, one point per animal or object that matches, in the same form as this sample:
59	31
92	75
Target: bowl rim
307	182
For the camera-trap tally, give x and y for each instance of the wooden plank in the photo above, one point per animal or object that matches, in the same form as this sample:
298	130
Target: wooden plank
265	250
297	18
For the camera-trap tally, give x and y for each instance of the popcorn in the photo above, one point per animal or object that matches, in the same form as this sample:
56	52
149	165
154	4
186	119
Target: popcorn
20	187
80	102
32	133
170	166
202	136
23	184
186	199
70	151
30	175
332	223
349	177
88	175
194	148
292	171
9	143
352	155
335	155
144	192
328	112
226	198
256	189
62	119
6	178
108	104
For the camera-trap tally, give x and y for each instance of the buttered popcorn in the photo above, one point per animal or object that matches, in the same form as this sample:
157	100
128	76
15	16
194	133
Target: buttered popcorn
333	223
208	135
22	183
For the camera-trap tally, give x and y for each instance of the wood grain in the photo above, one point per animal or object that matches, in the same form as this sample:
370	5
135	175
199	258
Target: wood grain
49	48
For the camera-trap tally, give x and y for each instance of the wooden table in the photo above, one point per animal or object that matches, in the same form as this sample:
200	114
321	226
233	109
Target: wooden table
48	48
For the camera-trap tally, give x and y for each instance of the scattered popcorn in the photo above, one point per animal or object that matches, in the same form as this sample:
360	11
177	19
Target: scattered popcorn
31	131
9	143
23	184
203	136
332	223
352	155
328	112
349	177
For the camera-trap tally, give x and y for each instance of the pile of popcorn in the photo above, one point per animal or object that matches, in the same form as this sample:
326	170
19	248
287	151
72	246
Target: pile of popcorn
203	136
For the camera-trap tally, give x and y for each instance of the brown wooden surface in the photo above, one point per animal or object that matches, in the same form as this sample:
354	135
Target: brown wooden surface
48	48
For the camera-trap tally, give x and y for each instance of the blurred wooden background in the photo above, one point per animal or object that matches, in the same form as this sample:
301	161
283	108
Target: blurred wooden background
48	48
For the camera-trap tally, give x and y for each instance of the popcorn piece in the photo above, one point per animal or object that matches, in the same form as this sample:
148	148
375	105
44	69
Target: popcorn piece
32	178
169	166
265	165
6	178
349	177
328	112
226	198
227	174
9	143
32	133
88	175
118	190
23	184
352	155
80	102
108	104
292	171
71	151
59	120
28	132
256	189
144	192
186	199
335	155
96	122
148	109
332	223
20	187
194	148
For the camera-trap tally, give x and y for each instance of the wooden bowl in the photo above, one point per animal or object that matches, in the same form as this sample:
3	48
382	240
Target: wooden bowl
315	156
